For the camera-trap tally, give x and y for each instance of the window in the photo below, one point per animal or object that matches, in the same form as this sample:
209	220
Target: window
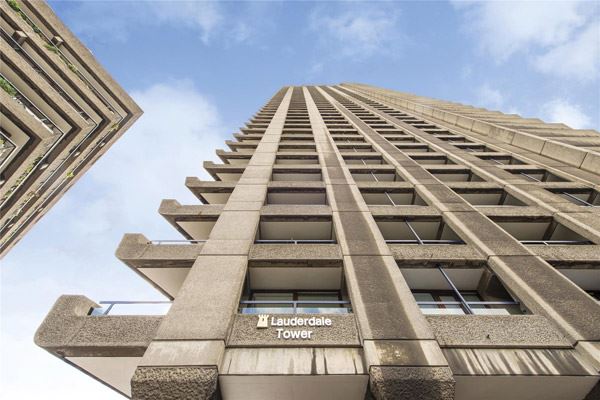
364	159
454	291
417	230
300	196
540	232
581	197
296	175
295	230
489	197
413	147
392	197
432	159
587	279
473	147
296	159
502	159
537	175
376	175
295	302
296	147
455	175
354	147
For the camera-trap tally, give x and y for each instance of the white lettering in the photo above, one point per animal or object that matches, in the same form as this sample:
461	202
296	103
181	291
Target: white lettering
279	330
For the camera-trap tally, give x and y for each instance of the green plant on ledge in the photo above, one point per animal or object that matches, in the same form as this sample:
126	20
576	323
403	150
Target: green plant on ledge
51	48
8	88
14	5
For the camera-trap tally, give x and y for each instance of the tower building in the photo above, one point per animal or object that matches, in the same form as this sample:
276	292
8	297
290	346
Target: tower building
361	243
59	112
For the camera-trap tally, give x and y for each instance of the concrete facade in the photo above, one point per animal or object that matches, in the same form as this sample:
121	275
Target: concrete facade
360	243
60	112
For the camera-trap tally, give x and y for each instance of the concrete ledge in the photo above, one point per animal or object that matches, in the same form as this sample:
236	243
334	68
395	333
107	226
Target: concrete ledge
68	331
495	331
411	383
293	361
272	252
547	362
175	383
411	254
137	251
584	256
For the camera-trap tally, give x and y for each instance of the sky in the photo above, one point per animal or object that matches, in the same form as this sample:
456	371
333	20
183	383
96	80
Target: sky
199	70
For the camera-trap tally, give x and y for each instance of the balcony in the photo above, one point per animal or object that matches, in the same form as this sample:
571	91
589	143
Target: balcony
432	159
580	197
588	279
283	159
413	147
163	263
392	197
297	174
374	159
536	175
193	222
224	172
296	196
375	174
455	174
457	291
540	231
295	229
501	159
107	346
209	192
417	230
489	197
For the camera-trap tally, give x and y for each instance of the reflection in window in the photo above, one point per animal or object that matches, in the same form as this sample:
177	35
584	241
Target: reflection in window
295	302
489	298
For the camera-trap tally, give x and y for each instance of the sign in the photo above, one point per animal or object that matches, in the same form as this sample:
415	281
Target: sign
285	326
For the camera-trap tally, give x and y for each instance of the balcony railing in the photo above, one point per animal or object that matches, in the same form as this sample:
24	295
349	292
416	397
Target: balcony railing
176	241
295	307
424	241
121	307
295	241
466	307
556	242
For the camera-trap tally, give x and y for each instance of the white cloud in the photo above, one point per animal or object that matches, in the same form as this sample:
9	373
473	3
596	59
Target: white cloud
71	250
489	97
203	16
561	110
359	31
557	37
107	21
579	58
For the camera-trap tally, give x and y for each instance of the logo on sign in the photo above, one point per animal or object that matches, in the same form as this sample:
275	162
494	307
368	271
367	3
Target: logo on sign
263	321
281	324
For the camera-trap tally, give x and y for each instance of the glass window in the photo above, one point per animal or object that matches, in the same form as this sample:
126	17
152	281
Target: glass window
300	302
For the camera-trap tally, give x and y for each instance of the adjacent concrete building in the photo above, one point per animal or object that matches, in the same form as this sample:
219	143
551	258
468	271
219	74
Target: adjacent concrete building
359	243
59	112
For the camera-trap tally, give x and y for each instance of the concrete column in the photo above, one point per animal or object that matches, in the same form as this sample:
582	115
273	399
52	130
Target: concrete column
182	361
404	360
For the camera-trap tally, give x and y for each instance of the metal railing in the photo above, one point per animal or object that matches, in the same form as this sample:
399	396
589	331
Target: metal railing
577	199
176	241
107	306
462	302
556	242
295	241
294	305
424	241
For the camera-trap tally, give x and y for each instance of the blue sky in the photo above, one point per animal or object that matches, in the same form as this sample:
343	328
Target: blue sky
200	70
